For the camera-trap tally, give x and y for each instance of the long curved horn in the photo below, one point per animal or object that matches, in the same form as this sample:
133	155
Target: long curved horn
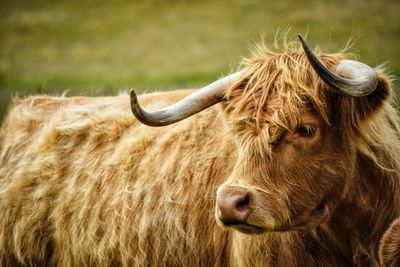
188	106
351	77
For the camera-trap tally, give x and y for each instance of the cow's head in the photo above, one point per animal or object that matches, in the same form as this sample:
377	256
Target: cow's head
297	121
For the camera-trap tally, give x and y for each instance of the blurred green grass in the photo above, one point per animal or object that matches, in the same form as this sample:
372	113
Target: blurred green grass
102	47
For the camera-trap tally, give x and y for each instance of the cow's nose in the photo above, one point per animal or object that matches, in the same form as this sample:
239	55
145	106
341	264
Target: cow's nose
233	207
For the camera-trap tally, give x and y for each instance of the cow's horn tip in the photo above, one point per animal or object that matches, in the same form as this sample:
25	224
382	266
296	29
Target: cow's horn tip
301	39
133	97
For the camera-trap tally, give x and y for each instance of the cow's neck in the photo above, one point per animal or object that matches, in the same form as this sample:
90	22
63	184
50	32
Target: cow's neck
359	221
285	249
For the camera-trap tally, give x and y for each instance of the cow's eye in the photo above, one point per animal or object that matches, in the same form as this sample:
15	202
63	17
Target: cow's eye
305	130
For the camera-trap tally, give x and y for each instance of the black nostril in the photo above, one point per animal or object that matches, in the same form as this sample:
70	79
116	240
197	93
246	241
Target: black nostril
233	206
243	205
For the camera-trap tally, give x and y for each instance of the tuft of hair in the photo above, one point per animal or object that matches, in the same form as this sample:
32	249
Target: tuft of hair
278	83
282	71
389	250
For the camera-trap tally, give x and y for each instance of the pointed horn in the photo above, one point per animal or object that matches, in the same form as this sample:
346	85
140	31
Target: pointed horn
186	107
351	77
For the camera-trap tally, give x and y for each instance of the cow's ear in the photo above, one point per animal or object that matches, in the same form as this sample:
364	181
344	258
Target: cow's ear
361	109
371	104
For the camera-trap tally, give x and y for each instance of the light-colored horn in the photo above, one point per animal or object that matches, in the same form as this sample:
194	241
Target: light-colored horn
351	77
186	107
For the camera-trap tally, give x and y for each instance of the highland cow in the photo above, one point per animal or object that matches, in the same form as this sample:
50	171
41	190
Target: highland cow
297	165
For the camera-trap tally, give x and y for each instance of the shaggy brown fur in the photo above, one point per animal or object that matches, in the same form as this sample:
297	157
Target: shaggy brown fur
82	183
389	250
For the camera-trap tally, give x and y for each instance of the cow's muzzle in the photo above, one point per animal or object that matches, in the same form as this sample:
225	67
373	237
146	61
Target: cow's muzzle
233	208
233	205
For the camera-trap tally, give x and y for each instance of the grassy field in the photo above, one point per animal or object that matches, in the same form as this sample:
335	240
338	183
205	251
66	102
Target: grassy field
100	47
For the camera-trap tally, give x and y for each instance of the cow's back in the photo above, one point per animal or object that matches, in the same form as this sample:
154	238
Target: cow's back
83	183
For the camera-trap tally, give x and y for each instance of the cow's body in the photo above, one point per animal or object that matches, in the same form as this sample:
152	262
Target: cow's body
57	197
83	183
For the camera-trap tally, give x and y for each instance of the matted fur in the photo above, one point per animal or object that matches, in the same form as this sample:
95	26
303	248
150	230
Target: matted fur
82	183
389	250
